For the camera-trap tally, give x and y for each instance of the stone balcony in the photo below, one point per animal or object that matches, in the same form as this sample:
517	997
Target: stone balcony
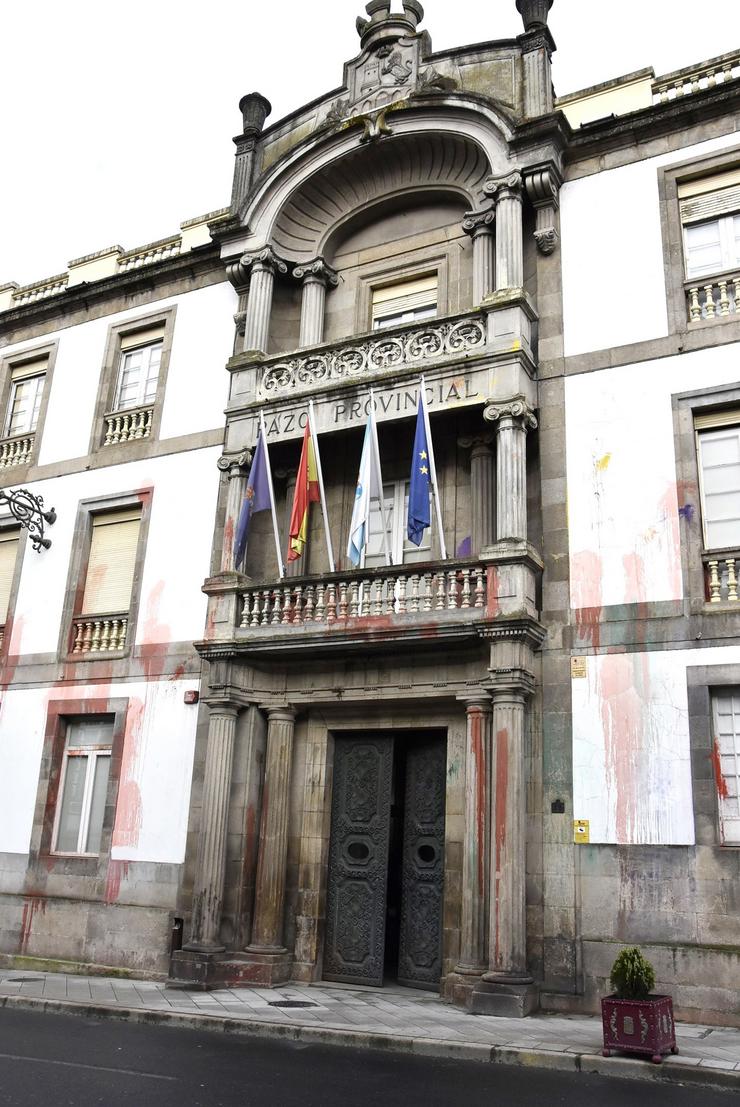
721	576
712	298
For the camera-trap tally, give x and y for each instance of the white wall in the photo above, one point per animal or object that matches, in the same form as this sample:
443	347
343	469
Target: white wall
154	788
197	382
623	501
612	254
631	753
172	606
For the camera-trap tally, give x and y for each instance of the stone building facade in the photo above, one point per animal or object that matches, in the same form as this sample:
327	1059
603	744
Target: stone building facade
478	773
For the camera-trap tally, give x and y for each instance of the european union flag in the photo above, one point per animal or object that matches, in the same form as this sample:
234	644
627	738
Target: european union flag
419	517
256	498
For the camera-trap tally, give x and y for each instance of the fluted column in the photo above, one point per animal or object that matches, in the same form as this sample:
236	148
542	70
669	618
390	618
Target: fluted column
316	276
208	888
507	939
475	851
267	926
482	490
512	420
236	469
507	192
479	225
263	267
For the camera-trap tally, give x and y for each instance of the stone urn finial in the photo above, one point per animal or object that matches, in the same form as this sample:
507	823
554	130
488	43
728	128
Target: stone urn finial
385	26
534	13
255	109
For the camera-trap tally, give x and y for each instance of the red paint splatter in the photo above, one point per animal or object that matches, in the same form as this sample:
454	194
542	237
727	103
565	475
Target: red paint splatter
129	807
719	780
480	793
228	540
492	587
622	704
30	909
117	871
179	671
501	785
668	506
586	599
635	590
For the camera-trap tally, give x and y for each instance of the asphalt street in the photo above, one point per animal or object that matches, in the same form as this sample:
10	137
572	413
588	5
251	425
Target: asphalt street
49	1060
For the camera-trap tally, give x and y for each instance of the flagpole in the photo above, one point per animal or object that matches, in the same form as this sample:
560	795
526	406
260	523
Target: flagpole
273	512
433	470
379	478
320	475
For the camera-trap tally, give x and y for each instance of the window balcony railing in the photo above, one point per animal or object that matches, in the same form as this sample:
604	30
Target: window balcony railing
126	426
721	568
346	599
100	633
16	450
404	347
713	298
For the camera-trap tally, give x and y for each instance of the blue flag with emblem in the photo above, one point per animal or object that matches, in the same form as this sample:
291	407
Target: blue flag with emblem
419	517
256	498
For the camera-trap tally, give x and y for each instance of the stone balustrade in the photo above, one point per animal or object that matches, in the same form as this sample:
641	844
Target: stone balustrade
412	346
713	298
156	251
41	290
16	451
685	82
99	633
126	426
721	576
342	598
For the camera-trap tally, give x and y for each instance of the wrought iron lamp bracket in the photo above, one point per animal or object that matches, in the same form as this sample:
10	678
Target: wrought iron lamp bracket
29	511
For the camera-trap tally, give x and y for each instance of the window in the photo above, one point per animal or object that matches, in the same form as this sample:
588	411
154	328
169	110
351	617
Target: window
138	373
102	624
404	302
26	392
710	216
718	451
8	555
84	785
395	510
726	759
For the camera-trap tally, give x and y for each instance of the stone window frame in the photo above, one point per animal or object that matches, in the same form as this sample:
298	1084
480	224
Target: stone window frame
78	568
8	361
701	681
669	178
685	406
378	276
109	379
58	713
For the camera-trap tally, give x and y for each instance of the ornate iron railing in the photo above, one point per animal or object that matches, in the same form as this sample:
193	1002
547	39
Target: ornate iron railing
387	350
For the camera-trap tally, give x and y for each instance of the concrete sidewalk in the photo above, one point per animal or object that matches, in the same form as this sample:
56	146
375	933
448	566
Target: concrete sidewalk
398	1019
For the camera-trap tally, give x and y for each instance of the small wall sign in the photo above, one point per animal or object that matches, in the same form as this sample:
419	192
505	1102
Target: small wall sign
581	831
578	667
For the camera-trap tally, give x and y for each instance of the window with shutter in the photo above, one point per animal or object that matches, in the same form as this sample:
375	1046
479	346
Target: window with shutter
404	302
710	215
726	757
718	450
84	785
110	567
138	372
8	555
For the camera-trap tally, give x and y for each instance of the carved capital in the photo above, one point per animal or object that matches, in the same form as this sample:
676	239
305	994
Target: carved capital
542	184
517	409
319	270
235	465
238	275
476	441
546	239
263	259
504	188
479	222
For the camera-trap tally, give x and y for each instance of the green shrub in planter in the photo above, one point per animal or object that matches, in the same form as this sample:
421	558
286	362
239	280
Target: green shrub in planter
632	976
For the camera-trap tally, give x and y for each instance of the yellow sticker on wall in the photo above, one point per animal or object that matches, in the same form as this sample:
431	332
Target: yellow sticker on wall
581	831
577	667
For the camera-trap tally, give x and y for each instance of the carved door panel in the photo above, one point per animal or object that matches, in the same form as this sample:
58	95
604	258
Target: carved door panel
358	860
420	943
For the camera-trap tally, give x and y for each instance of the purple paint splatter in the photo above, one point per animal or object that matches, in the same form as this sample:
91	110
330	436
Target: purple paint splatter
465	548
687	511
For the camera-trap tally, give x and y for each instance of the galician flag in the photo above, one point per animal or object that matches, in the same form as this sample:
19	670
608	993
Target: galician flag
256	498
306	492
419	517
368	488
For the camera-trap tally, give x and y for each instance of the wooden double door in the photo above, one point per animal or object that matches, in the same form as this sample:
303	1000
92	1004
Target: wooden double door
386	860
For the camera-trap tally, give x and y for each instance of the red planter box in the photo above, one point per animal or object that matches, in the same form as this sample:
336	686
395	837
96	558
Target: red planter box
639	1026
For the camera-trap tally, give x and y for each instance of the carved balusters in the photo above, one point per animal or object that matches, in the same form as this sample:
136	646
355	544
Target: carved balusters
331	603
354	599
365	599
310	601
320	610
401	596
480	588
465	601
731	580
426	601
342	614
714	583
413	604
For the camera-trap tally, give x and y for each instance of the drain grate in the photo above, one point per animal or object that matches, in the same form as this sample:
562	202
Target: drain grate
291	1003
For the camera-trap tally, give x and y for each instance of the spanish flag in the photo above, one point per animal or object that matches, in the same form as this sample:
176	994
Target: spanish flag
306	492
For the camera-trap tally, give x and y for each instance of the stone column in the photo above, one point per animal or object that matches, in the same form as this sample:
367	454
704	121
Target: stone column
475	850
255	109
507	192
316	276
479	225
236	468
537	46
266	947
208	888
263	267
482	491
507	988
512	420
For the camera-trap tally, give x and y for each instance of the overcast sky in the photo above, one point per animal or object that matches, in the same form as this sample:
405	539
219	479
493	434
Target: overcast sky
117	118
